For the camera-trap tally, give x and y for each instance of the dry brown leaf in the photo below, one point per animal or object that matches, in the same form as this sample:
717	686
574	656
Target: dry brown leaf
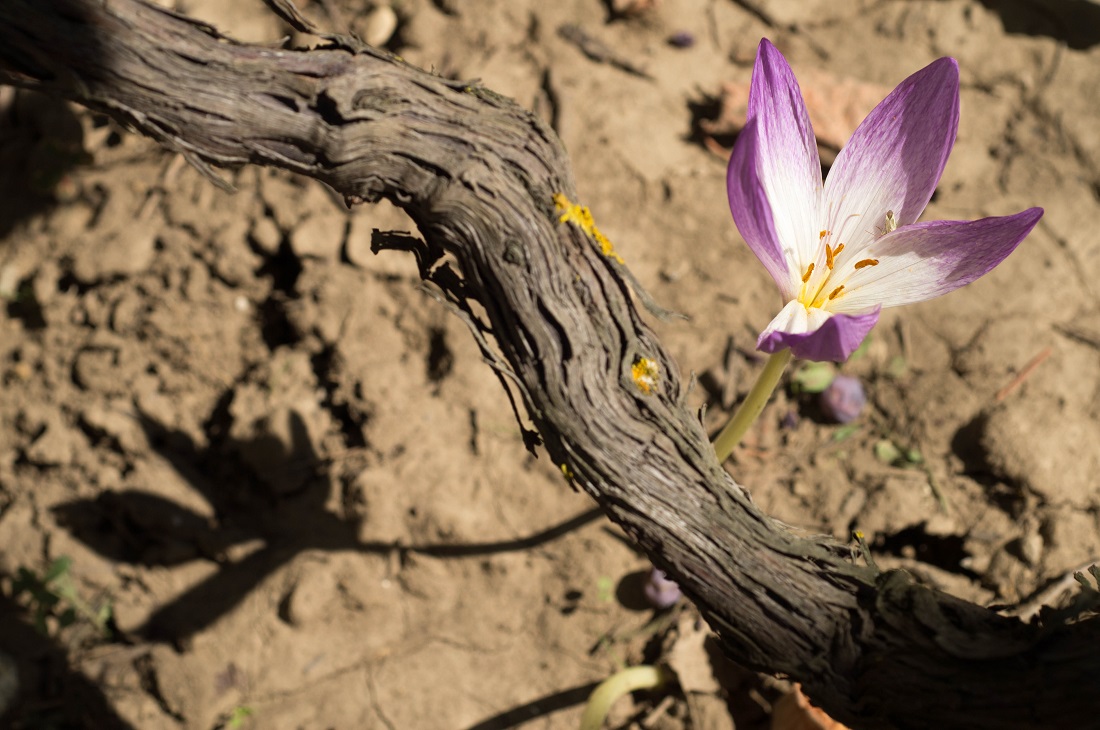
632	7
793	711
836	105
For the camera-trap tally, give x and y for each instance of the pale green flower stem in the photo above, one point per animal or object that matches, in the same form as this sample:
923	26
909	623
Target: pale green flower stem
624	682
752	406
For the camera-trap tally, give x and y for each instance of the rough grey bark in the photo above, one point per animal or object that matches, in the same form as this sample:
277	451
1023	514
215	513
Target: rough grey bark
478	174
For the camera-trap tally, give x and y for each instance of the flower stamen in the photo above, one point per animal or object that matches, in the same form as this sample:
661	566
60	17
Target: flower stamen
809	272
831	253
836	292
865	263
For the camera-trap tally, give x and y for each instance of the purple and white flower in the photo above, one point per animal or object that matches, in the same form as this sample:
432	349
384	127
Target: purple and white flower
841	251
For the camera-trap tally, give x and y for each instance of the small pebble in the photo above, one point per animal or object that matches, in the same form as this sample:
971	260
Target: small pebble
681	39
789	420
844	399
381	24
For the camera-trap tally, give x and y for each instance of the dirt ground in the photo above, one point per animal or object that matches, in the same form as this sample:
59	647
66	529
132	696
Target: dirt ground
293	496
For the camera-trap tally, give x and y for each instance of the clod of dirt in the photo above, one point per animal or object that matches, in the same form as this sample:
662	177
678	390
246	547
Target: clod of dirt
113	423
377	26
126	314
55	441
284	198
321	235
311	597
120	242
105	369
1070	535
1041	445
380	510
1008	576
904	500
266	235
276	446
426	578
278	423
1029	547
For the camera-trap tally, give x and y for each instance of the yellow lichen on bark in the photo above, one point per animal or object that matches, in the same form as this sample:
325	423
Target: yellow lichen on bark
645	373
581	216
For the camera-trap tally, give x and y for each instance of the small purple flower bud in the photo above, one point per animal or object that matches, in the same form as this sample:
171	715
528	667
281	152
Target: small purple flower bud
661	592
844	399
681	39
790	420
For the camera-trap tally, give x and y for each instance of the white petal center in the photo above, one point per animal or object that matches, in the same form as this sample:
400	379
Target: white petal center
841	253
796	319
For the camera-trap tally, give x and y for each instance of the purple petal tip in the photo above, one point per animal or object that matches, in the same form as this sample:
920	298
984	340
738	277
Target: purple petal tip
834	341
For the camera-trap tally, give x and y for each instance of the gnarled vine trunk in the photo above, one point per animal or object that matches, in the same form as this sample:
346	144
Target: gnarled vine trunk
479	175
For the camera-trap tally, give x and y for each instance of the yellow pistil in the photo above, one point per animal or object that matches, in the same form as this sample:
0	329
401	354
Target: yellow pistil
865	263
809	271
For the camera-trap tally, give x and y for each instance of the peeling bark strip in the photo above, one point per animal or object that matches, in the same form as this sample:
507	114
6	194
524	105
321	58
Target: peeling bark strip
479	175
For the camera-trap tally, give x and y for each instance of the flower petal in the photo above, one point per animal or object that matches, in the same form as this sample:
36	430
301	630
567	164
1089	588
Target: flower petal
895	157
815	334
752	212
776	157
926	260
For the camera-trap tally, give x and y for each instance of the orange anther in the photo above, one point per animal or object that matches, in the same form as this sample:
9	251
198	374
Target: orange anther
806	276
831	254
866	262
822	235
836	292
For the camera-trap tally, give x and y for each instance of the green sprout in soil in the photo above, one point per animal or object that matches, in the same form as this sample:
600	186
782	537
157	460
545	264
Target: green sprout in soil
621	683
54	594
238	718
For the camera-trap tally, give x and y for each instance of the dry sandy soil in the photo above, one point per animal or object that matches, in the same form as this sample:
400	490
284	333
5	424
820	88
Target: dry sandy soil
305	499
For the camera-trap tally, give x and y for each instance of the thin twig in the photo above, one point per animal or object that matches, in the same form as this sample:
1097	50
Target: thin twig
1024	374
599	51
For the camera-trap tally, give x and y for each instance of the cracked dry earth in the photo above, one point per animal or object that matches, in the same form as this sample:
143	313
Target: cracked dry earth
305	498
